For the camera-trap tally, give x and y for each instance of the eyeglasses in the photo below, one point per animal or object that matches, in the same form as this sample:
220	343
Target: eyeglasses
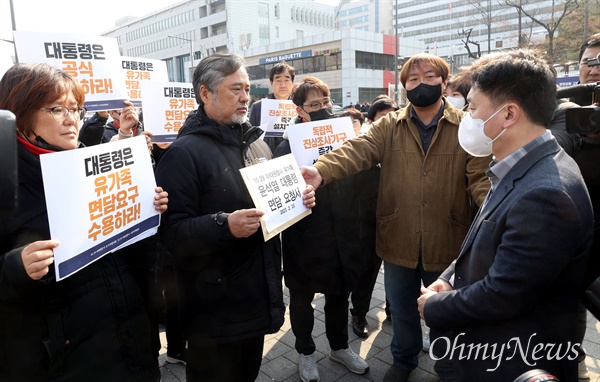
60	113
318	105
595	61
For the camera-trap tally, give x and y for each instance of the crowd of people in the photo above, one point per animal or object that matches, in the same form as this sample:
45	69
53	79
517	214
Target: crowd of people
474	197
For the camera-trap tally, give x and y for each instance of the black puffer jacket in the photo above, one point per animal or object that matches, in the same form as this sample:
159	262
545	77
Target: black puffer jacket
228	288
322	252
90	326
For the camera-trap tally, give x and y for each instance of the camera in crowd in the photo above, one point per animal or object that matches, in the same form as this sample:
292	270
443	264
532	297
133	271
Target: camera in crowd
583	120
8	162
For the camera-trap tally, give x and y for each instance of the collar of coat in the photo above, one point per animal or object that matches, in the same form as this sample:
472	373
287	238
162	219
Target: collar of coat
199	123
451	114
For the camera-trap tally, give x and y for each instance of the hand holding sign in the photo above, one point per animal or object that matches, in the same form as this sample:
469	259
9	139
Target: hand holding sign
244	223
277	188
37	257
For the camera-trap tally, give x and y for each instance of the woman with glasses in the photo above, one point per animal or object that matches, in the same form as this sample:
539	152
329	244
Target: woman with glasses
90	326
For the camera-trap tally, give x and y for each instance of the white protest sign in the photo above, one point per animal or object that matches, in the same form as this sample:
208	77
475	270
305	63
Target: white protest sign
99	198
166	107
136	70
277	114
309	140
276	187
94	61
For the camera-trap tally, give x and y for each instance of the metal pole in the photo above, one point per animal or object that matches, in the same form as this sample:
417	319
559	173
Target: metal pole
396	55
14	27
191	59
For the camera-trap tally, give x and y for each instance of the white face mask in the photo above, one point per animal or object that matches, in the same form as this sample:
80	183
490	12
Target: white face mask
472	137
457	102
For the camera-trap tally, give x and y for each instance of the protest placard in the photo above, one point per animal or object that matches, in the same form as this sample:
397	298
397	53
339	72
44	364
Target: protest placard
141	69
309	140
94	61
166	107
277	115
276	187
100	199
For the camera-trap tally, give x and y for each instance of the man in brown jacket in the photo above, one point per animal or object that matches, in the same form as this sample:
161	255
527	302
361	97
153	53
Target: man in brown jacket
425	205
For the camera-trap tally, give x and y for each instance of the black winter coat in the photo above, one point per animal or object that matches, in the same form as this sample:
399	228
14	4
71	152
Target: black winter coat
254	115
228	288
96	131
90	326
322	252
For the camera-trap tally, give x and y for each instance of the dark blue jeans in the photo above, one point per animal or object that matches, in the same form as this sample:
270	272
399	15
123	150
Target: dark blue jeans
402	288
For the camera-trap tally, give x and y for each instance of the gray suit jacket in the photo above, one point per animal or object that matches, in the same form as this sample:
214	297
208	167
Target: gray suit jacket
519	273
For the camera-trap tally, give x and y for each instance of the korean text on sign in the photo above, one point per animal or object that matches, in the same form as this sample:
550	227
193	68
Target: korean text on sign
324	138
116	204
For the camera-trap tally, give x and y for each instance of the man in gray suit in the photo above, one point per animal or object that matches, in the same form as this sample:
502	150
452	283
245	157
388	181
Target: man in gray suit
511	296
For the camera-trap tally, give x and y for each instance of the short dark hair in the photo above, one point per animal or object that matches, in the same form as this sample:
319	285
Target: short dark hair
592	41
381	102
353	113
439	65
309	85
522	76
460	83
280	68
211	71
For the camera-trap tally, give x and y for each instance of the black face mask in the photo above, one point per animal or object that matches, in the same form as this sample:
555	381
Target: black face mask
321	114
424	95
45	145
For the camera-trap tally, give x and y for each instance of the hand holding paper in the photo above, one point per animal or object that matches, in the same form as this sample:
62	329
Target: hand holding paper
244	223
160	200
37	257
309	196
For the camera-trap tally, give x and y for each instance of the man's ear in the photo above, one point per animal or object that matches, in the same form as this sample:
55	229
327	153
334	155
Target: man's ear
204	93
302	113
513	114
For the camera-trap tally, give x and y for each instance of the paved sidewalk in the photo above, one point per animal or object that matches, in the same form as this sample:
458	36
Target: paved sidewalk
280	360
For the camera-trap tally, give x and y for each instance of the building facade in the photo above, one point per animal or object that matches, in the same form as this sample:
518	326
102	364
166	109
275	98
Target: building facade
356	65
368	15
349	46
198	28
442	27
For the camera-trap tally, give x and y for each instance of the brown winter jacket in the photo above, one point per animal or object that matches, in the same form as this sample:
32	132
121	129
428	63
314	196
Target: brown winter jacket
422	198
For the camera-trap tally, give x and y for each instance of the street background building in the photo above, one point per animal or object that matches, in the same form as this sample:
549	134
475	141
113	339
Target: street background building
351	46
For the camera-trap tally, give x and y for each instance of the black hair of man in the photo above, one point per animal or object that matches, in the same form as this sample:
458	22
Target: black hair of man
522	76
280	68
380	102
309	85
592	41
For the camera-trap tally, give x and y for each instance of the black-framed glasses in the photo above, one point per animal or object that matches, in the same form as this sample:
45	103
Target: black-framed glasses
316	105
60	113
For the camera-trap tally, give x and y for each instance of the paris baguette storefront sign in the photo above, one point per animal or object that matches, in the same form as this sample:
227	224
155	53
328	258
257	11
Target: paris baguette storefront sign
285	57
